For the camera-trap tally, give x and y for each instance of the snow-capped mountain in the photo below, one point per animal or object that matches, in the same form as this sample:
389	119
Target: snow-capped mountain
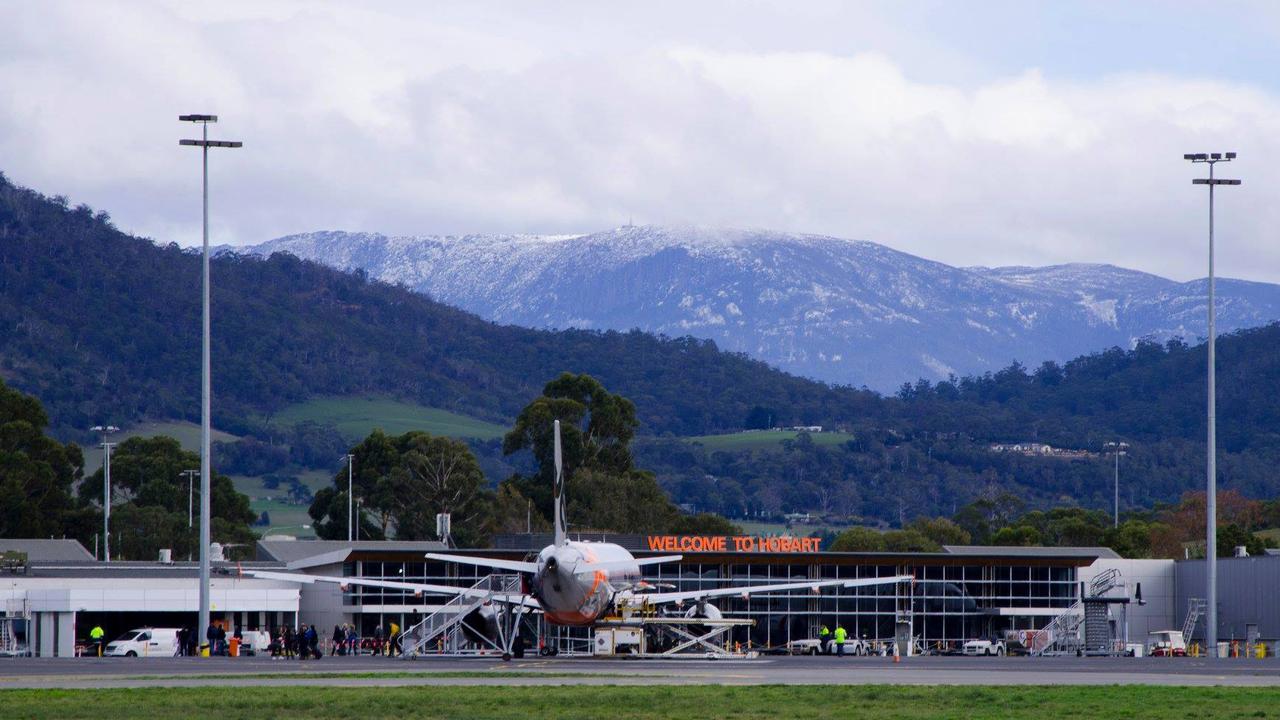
843	311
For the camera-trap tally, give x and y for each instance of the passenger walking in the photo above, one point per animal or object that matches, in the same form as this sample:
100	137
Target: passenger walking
182	642
338	638
301	640
289	640
313	643
841	636
377	640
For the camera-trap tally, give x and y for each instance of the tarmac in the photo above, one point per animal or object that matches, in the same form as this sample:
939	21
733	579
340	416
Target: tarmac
426	671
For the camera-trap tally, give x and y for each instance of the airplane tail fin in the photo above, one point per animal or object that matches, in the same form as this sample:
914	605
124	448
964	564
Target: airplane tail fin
558	490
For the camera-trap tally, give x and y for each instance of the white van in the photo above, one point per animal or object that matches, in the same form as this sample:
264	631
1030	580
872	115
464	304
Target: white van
145	642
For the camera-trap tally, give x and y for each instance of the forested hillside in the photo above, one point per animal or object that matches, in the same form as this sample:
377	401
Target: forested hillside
104	327
101	325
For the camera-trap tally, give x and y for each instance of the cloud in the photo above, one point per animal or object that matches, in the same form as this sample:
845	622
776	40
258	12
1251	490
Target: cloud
408	119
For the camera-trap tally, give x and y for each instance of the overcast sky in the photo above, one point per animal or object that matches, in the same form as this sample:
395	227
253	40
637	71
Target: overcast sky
991	133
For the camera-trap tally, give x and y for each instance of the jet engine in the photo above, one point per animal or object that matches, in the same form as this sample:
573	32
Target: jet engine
703	610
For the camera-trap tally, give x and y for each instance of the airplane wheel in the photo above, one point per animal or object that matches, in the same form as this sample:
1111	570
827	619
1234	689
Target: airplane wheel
544	651
506	657
554	651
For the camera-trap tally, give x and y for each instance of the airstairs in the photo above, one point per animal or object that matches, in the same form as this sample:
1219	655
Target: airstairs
9	645
441	632
1195	610
1062	635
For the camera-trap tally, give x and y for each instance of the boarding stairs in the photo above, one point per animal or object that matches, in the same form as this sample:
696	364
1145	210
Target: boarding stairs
9	646
443	626
1195	609
1062	634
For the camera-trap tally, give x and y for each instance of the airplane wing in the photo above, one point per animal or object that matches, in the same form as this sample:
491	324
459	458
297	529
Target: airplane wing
393	585
512	565
620	564
677	597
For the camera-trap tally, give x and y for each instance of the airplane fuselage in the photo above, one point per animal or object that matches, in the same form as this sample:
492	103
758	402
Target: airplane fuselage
575	595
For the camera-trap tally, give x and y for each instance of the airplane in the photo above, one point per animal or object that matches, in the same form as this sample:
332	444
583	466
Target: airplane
579	583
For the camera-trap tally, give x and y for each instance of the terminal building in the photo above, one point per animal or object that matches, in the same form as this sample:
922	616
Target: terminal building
52	599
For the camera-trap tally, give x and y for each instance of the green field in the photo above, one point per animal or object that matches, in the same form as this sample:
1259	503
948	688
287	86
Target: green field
668	702
285	517
764	438
186	433
357	417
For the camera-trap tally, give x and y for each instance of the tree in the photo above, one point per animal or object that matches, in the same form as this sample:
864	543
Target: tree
704	524
596	428
909	541
760	418
377	463
859	539
37	473
940	530
1231	536
441	475
630	502
149	501
514	513
328	513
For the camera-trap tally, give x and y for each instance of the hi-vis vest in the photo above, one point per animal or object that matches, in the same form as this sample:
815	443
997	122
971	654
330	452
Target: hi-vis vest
841	634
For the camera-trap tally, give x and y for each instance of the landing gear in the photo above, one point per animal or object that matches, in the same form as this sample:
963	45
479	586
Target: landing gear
506	657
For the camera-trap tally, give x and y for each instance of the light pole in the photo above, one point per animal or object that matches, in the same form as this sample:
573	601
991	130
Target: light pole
1211	468
1117	448
204	144
351	459
106	487
190	474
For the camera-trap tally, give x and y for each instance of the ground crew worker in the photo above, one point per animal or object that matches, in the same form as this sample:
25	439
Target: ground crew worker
823	636
96	635
393	640
841	636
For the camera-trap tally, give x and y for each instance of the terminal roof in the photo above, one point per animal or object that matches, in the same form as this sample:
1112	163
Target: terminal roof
1039	552
42	551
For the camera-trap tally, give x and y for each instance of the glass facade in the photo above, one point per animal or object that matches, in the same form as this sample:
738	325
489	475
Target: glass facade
953	599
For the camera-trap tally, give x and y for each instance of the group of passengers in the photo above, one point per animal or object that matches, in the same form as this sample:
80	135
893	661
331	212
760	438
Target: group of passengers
347	641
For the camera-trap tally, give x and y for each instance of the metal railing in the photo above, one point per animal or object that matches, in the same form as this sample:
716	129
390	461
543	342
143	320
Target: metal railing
453	613
1063	632
1195	608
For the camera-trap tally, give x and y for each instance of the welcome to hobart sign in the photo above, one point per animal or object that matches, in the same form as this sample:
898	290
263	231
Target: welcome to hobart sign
731	543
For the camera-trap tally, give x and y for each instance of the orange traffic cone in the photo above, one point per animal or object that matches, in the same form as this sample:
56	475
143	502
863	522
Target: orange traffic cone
896	658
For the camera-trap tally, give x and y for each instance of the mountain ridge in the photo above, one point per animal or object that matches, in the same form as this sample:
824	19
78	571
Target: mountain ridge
839	310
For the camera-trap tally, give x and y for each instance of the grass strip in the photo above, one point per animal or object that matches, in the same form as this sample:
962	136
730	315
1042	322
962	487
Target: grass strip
633	702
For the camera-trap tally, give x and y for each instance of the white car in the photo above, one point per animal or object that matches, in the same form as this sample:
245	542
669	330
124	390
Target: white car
985	647
144	642
852	646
